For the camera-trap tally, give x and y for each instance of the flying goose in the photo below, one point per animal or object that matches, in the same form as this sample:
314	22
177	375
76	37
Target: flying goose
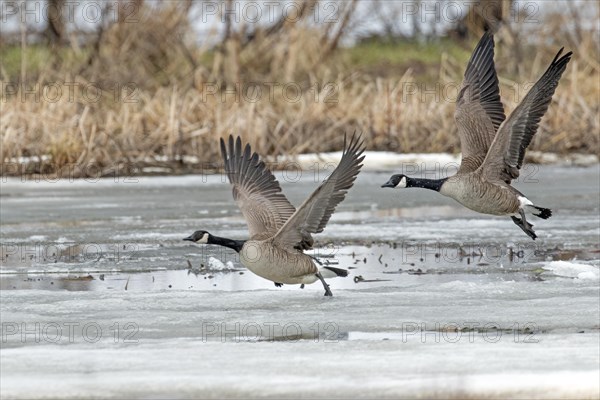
278	232
493	147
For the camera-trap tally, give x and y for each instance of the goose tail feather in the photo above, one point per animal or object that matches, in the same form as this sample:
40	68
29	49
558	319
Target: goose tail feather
541	212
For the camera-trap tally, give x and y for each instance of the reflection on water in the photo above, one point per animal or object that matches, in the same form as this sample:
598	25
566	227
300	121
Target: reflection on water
377	265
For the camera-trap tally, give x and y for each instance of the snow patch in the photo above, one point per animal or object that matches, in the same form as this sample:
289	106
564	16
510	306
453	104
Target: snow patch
214	264
36	238
374	160
574	270
574	159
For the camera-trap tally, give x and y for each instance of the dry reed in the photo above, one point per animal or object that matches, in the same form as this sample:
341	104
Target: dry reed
164	105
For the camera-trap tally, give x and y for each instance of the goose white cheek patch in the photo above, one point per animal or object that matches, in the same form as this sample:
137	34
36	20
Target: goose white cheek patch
203	239
401	184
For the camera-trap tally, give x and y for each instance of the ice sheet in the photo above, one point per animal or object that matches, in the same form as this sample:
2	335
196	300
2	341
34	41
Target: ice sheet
484	341
440	302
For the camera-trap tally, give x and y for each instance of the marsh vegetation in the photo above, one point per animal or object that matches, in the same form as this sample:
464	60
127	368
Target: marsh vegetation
152	90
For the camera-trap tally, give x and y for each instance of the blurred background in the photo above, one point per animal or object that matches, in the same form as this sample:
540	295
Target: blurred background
125	84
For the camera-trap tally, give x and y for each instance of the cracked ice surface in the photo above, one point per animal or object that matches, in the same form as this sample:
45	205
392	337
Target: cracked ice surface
98	298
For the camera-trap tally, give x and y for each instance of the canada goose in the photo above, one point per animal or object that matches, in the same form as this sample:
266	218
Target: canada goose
492	146
278	232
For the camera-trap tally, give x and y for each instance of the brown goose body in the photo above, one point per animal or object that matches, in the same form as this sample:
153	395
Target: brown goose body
269	261
478	194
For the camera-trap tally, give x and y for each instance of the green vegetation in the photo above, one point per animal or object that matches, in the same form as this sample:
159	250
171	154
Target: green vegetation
37	59
393	59
373	58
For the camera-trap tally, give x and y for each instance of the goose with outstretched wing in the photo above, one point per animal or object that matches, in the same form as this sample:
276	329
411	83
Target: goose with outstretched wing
493	147
278	232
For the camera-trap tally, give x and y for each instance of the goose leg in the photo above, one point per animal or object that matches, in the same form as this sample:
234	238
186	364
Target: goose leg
325	285
316	260
524	225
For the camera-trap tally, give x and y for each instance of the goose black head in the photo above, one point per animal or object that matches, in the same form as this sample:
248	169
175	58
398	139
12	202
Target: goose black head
200	237
397	181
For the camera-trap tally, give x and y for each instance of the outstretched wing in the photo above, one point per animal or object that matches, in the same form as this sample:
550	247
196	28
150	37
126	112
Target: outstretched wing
314	213
255	190
508	149
479	111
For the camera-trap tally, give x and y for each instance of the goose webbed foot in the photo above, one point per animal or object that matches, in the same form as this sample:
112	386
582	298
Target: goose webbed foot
278	284
524	225
325	285
302	286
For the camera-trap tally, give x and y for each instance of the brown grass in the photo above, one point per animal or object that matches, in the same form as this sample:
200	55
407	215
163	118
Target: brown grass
173	112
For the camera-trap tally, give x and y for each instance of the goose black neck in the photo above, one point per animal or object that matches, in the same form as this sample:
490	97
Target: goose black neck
431	184
231	243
